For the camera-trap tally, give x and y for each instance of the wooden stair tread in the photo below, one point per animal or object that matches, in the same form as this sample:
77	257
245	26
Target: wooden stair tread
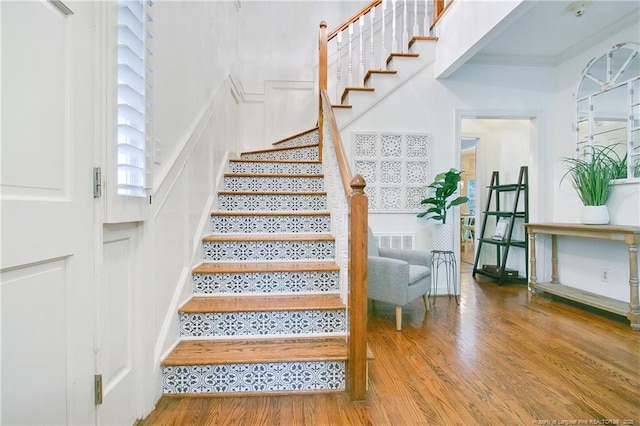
288	138
272	213
232	267
271	193
284	148
206	352
371	72
252	160
341	106
354	89
269	237
425	38
262	303
401	55
274	175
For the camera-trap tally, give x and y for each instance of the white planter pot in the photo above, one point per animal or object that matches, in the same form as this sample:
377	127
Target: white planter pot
595	215
442	237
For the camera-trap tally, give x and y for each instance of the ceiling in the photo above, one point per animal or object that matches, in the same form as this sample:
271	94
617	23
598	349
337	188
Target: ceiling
550	32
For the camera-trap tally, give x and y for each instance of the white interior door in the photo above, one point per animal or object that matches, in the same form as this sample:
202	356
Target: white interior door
47	210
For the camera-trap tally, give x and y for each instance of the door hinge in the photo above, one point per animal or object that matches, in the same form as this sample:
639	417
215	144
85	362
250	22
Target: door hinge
97	182
97	381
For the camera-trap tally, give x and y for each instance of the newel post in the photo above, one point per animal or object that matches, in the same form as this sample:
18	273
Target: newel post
322	82
358	233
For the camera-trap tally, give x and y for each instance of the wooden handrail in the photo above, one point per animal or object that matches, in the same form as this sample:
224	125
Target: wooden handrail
440	9
354	18
343	163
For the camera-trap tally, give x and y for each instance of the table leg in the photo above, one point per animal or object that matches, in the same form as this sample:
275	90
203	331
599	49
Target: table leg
554	259
532	262
634	300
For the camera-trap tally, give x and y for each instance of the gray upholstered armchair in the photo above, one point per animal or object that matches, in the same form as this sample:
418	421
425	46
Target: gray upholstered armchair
398	276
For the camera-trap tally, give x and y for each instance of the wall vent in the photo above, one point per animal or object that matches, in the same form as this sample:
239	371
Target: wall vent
396	241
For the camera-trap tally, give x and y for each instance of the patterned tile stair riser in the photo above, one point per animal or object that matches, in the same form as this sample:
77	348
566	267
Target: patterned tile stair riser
269	377
270	238
270	224
307	138
267	282
275	167
298	154
273	184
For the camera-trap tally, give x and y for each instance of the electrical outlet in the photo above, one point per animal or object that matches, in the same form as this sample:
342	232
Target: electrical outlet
604	275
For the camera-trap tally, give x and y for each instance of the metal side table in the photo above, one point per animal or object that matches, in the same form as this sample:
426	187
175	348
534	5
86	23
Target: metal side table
448	260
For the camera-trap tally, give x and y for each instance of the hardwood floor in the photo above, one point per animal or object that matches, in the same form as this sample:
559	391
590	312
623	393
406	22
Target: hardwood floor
502	357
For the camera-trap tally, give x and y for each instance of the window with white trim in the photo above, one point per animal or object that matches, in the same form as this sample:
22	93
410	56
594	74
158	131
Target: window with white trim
134	100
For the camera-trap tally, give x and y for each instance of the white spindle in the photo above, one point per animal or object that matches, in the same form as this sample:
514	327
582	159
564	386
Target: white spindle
339	67
383	49
416	27
394	41
372	59
405	32
427	23
361	51
350	66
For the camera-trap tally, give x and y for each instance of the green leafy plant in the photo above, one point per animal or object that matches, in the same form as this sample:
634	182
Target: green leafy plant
445	185
592	172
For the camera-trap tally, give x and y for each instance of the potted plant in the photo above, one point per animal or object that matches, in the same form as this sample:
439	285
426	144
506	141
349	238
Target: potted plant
444	187
591	176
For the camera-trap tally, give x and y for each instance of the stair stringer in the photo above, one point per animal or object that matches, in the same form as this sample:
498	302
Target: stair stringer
347	116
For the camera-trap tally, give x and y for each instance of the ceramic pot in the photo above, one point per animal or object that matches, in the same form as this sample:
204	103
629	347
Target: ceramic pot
595	215
442	237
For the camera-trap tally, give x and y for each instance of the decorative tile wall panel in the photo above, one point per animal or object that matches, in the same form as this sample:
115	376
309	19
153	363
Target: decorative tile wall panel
270	224
259	202
267	282
396	169
273	183
274	323
268	377
268	250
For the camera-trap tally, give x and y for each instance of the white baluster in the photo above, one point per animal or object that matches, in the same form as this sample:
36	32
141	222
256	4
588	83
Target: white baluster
372	59
405	32
360	77
394	41
427	21
383	48
350	64
339	68
416	27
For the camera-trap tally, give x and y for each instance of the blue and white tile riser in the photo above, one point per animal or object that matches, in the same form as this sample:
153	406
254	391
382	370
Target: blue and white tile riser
285	168
267	202
304	139
273	183
270	224
272	323
308	153
267	282
269	377
260	251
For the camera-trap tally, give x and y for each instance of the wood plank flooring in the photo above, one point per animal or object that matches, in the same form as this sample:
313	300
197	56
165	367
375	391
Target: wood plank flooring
502	357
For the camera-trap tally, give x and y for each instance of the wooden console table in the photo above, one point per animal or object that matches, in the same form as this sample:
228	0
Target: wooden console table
630	235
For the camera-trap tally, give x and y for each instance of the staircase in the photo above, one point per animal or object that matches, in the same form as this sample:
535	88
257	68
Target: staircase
266	313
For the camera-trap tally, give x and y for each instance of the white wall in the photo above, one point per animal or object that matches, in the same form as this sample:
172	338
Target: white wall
279	54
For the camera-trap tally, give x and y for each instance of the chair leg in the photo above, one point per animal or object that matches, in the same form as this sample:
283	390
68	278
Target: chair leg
427	305
398	318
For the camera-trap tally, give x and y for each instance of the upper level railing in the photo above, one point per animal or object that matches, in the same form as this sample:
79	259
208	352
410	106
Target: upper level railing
349	217
365	40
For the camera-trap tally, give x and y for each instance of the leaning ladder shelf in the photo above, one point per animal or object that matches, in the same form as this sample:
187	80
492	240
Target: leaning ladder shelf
505	220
